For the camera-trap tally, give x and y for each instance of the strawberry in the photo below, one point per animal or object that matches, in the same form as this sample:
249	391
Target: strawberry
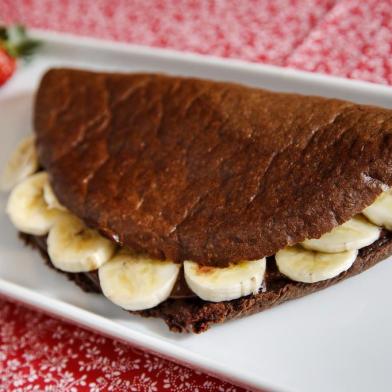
14	44
7	66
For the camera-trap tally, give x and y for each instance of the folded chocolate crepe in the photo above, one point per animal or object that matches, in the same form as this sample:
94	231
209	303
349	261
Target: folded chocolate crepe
240	198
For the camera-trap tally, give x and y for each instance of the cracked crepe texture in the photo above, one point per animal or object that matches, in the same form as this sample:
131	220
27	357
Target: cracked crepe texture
213	172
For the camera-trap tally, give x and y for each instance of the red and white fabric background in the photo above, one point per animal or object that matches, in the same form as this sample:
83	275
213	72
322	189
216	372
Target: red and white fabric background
347	38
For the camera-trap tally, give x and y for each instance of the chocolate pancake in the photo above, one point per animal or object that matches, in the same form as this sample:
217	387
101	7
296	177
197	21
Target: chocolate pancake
213	172
189	169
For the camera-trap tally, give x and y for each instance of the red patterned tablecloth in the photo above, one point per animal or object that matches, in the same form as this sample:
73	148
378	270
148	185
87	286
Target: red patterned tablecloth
342	37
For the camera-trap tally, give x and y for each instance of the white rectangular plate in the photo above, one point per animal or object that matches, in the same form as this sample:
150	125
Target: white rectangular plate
335	340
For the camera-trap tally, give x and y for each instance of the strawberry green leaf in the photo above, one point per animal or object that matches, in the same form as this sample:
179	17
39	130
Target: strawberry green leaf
3	33
15	41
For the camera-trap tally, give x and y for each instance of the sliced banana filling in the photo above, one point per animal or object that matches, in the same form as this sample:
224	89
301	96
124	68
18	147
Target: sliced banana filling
380	212
224	284
137	282
354	234
308	266
27	208
72	247
22	163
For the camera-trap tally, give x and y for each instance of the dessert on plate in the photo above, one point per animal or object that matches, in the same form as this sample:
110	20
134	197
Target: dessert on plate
198	201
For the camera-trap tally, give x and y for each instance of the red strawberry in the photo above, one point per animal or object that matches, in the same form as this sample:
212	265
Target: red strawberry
7	66
14	44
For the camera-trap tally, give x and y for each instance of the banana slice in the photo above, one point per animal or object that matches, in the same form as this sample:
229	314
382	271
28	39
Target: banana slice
27	209
308	266
380	212
22	163
72	247
136	282
353	234
224	284
51	199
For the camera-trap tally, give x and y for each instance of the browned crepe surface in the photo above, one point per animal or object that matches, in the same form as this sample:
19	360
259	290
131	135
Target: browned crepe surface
196	315
212	172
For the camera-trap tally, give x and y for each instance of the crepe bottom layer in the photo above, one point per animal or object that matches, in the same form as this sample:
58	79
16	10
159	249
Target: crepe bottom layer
197	315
